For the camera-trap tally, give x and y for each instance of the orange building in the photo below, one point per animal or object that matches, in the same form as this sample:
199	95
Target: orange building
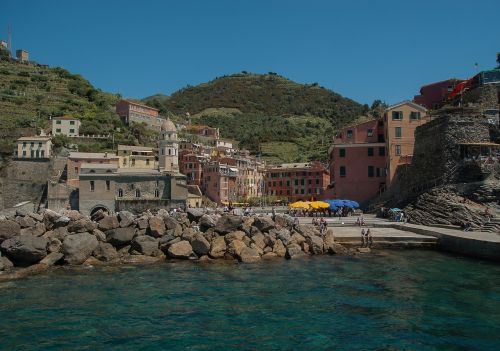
296	181
400	121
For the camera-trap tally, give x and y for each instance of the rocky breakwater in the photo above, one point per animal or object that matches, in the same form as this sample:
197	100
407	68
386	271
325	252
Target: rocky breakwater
32	242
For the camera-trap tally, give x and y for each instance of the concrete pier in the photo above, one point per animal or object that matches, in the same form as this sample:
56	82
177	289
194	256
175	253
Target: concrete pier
388	234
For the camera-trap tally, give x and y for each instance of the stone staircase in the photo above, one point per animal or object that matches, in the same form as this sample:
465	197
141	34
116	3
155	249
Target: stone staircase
492	226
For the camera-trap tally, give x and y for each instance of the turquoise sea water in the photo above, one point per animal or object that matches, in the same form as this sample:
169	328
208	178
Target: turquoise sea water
405	300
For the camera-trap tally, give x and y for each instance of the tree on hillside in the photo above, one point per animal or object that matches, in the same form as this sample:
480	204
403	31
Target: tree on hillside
378	107
498	59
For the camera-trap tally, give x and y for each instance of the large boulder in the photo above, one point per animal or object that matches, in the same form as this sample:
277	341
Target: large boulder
307	231
25	249
146	245
297	238
125	218
249	255
170	222
194	215
284	235
264	223
234	248
337	249
258	239
200	244
294	251
58	233
52	258
5	264
156	226
328	239
98	215
105	252
315	244
181	249
54	245
206	222
142	223
81	226
78	247
9	229
108	223
279	249
37	230
26	222
283	220
218	247
120	236
236	235
228	223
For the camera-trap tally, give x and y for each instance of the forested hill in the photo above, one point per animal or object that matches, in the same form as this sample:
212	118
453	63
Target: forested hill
281	120
268	94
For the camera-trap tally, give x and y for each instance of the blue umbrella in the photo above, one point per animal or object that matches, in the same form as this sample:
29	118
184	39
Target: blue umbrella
353	203
336	203
332	204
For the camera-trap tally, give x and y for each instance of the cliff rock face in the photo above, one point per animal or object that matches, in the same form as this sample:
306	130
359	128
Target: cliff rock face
455	172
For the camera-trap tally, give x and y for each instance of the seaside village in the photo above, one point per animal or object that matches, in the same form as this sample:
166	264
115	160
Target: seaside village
365	158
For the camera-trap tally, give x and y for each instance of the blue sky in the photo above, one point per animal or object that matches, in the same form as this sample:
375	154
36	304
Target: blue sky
362	49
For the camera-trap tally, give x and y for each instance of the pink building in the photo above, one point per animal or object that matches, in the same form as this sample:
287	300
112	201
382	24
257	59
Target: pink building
358	161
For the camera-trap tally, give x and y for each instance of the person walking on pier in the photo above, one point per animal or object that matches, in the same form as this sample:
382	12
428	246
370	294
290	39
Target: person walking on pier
369	238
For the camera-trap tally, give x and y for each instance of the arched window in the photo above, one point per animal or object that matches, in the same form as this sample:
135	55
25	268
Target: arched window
120	192
169	151
91	171
109	171
137	193
157	193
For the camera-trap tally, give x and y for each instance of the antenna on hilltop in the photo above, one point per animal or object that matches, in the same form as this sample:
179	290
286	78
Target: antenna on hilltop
9	38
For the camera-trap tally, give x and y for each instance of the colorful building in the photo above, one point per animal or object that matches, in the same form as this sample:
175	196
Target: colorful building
400	121
296	181
136	157
130	111
33	147
358	162
77	159
219	182
366	157
65	125
433	95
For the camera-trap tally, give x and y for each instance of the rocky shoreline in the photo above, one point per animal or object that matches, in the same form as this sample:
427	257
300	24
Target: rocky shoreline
30	243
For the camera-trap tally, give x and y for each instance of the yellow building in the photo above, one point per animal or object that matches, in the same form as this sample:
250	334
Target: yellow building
140	157
33	147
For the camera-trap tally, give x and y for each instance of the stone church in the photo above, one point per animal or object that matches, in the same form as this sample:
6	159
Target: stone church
111	188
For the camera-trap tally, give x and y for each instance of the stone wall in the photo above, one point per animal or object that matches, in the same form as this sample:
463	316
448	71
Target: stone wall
23	181
484	97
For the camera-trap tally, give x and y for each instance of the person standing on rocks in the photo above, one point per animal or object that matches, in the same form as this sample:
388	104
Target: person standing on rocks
363	237
273	213
369	238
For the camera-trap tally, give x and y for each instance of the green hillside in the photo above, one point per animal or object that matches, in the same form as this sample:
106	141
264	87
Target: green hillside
30	93
270	115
